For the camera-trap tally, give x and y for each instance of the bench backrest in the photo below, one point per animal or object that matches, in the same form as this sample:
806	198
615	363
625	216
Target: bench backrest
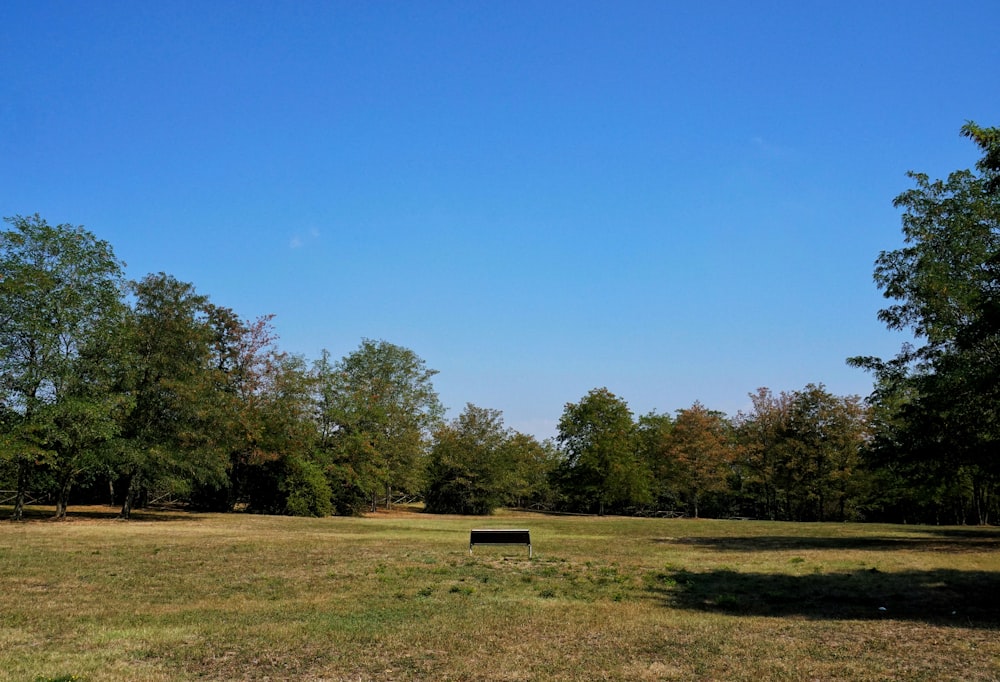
499	536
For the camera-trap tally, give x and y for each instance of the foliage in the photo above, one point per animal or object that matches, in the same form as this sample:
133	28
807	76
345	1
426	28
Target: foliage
179	428
942	397
701	447
602	468
821	449
268	395
800	455
470	464
530	468
60	299
654	431
759	434
477	465
305	489
376	409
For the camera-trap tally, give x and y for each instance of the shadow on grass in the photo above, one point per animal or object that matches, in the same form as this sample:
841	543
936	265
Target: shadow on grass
944	596
929	540
35	513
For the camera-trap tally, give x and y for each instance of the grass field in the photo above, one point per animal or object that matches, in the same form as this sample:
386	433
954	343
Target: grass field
177	596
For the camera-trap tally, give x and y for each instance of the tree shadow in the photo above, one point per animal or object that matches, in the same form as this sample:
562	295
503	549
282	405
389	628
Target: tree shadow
941	596
929	540
34	514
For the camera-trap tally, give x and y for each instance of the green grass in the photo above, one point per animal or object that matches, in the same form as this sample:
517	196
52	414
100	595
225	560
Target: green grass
398	597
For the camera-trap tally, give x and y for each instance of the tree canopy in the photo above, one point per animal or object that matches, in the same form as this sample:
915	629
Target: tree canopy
602	467
939	396
60	299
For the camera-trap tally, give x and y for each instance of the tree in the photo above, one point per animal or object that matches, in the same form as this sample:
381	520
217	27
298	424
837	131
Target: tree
946	291
60	298
820	449
800	455
601	467
654	432
469	464
268	396
531	466
376	409
702	447
759	433
286	444
179	430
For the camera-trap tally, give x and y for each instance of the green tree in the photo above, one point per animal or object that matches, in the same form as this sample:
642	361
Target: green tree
602	467
376	410
800	455
287	437
469	464
60	297
531	467
178	433
759	433
654	431
944	282
821	474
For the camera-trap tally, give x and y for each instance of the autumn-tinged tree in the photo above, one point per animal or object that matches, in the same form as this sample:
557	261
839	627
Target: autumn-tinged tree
60	298
800	455
602	468
268	414
701	444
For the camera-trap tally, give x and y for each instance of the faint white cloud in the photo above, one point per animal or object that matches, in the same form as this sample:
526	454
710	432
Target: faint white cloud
768	148
298	240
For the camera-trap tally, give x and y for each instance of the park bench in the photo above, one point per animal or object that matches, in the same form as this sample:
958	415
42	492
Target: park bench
500	536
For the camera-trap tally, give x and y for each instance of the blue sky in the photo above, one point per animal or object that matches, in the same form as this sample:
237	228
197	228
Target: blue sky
678	201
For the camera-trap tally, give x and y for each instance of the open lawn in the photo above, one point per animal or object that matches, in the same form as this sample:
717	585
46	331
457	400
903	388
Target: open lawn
177	596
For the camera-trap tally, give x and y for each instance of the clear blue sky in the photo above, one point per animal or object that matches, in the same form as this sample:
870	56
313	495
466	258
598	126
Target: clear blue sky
679	201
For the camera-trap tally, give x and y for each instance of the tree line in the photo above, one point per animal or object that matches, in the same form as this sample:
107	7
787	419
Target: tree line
116	391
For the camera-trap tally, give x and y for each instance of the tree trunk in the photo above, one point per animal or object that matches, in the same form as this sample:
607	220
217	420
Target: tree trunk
22	484
235	483
133	486
981	500
62	498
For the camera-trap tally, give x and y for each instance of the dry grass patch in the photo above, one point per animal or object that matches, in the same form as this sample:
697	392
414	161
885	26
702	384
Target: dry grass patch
398	597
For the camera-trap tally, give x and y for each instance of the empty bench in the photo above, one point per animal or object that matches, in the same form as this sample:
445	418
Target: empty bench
500	536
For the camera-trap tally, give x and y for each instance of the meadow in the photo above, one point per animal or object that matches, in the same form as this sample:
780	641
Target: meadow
172	595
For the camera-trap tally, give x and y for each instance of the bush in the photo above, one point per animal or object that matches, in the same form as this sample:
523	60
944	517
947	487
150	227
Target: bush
306	491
